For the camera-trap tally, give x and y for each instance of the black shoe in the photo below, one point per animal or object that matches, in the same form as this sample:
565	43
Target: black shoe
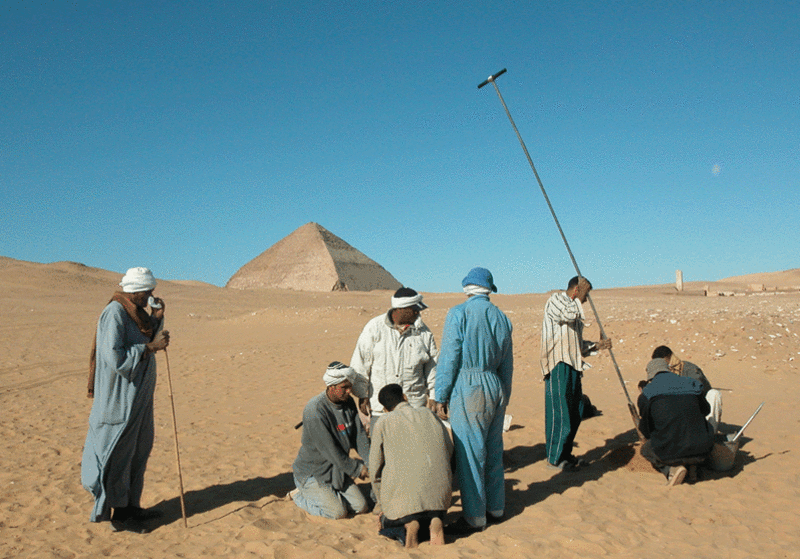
462	528
564	466
577	462
129	525
145	514
121	514
490	519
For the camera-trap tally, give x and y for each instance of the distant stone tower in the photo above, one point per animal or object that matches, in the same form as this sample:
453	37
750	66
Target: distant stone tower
313	259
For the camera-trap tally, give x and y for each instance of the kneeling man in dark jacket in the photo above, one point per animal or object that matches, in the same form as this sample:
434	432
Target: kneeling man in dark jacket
673	420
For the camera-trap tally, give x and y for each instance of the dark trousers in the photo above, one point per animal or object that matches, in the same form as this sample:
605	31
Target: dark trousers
563	392
663	466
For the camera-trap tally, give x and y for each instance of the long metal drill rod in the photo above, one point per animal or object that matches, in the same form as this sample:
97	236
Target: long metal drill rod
491	79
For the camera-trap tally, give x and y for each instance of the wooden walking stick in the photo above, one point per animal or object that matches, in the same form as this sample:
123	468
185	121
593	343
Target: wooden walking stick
175	432
156	305
631	407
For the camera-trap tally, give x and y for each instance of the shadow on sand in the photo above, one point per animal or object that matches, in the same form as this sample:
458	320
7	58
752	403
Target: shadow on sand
616	453
216	496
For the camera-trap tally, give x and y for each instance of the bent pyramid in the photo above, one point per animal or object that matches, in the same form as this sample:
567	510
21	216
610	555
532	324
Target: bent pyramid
313	259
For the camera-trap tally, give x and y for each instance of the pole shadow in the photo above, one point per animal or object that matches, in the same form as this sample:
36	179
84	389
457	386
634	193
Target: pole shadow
216	496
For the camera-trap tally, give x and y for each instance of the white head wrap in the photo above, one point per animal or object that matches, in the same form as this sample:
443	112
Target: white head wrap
405	302
473	289
338	372
138	279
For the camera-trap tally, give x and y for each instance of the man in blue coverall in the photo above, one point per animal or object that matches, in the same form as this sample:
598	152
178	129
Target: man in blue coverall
473	383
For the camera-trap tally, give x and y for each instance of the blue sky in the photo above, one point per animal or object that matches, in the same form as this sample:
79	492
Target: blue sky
190	137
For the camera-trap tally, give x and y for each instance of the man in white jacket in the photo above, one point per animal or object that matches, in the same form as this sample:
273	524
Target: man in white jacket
396	347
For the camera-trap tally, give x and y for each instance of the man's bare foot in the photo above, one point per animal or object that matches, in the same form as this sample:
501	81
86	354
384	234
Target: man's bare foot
437	531
412	534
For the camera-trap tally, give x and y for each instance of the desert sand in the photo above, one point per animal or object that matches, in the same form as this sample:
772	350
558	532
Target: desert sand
244	363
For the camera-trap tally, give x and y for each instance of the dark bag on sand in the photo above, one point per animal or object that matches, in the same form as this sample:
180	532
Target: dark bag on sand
588	409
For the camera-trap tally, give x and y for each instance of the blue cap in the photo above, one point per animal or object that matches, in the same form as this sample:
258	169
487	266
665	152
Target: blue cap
480	276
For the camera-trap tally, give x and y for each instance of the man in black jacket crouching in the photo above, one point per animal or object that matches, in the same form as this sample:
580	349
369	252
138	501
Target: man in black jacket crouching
673	420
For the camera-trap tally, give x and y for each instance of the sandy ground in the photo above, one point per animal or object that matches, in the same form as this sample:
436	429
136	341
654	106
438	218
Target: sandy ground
244	363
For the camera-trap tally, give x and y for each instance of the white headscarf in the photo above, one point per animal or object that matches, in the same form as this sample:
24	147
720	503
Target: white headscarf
338	372
138	279
473	289
405	302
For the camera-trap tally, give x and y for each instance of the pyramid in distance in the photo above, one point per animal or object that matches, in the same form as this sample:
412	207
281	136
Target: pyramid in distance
313	259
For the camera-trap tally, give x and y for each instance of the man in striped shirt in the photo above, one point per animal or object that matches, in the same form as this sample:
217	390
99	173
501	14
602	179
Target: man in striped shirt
563	350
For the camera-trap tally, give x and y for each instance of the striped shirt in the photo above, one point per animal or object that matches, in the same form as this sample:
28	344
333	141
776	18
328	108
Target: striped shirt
562	334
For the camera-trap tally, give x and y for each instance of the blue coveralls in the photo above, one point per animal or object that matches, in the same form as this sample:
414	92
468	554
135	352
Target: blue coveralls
474	378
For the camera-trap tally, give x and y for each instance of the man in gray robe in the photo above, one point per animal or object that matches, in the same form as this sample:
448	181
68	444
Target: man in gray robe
122	382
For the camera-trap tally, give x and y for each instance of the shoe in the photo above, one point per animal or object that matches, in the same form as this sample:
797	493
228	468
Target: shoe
121	514
139	513
676	475
491	519
564	466
462	528
129	525
577	462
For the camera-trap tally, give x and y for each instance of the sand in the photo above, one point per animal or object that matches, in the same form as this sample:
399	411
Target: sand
244	363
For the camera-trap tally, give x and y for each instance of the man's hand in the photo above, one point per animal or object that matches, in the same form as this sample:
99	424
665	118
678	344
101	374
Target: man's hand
364	406
158	312
582	290
364	473
161	342
605	343
431	404
441	410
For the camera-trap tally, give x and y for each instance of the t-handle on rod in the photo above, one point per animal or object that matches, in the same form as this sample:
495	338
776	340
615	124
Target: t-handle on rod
492	78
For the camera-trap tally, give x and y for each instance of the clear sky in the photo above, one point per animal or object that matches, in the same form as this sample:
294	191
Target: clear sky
189	137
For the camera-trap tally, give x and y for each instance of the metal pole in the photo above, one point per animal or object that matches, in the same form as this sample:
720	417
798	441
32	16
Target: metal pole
631	407
739	433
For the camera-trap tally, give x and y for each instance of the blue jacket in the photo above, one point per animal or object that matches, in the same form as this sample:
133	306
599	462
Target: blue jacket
476	338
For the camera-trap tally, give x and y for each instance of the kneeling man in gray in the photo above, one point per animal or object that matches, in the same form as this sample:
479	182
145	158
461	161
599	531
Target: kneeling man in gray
324	470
